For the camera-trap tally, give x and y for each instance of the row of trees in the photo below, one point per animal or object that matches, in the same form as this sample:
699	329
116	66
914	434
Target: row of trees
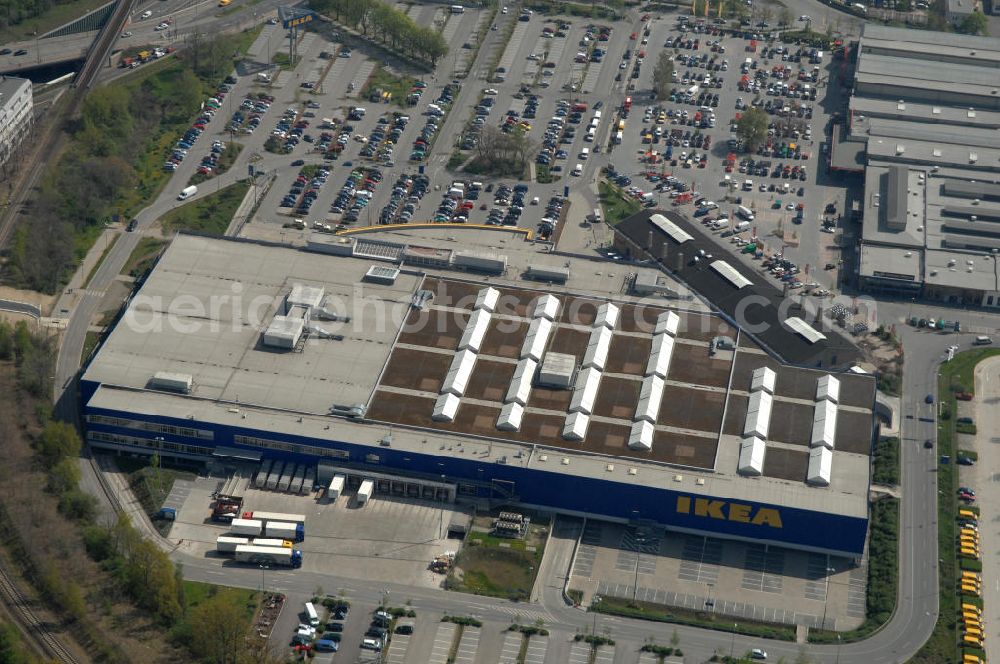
663	76
499	153
388	25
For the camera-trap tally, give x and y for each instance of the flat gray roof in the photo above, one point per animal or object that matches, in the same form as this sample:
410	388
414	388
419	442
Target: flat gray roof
927	114
203	311
933	133
184	321
917	43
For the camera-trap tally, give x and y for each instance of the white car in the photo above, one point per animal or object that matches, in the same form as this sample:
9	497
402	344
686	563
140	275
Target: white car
126	34
757	653
804	18
161	27
504	10
533	56
491	91
146	14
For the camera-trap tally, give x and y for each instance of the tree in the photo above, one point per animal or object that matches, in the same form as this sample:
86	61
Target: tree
752	127
974	24
217	630
58	441
663	75
785	17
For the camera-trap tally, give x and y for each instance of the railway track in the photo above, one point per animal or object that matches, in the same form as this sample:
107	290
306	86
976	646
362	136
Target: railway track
35	626
50	140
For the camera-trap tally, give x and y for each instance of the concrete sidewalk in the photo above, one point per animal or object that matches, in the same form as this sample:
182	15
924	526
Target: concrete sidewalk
70	295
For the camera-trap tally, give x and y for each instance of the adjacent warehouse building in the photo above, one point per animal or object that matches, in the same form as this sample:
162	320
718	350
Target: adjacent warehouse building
454	385
16	117
924	129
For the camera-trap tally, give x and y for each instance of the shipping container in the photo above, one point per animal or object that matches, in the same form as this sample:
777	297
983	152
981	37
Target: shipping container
285	530
228	544
250	527
365	491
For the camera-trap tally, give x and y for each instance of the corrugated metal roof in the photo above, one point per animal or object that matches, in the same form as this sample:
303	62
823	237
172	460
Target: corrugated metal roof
650	398
445	407
510	417
659	356
585	392
763	378
820	466
597	349
576	426
730	274
673	231
520	384
668	322
536	339
459	373
824	424
752	456
805	330
641	436
758	420
487	299
475	330
828	387
607	315
546	306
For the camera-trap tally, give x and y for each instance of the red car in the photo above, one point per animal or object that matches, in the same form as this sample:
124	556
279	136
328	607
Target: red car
632	36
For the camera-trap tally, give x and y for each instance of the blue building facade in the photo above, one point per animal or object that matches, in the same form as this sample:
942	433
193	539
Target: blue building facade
560	491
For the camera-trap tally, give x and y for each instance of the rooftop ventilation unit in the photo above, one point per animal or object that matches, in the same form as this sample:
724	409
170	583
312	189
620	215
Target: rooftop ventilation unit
607	316
824	429
557	370
536	339
460	372
597	350
668	322
659	355
520	384
380	274
650	398
758	420
585	393
171	382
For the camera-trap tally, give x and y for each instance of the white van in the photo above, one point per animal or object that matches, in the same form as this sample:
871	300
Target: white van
311	614
982	341
589	137
577	170
741	226
584	153
187	193
744	212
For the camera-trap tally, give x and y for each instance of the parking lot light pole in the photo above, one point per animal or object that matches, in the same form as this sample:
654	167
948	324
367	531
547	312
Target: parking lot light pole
732	644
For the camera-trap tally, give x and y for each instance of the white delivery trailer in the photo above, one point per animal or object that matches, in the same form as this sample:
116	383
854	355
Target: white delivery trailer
265	541
251	527
261	476
285	530
269	555
279	516
336	488
365	491
274	475
286	477
228	544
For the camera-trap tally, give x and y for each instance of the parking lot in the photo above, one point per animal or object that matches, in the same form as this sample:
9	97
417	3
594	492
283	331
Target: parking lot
751	581
389	537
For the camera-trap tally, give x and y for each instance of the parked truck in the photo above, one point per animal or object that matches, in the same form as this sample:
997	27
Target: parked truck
227	508
365	492
269	555
275	516
285	530
228	544
251	527
335	489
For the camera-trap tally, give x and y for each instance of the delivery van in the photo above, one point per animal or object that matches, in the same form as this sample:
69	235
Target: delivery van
741	226
187	193
744	212
981	340
311	614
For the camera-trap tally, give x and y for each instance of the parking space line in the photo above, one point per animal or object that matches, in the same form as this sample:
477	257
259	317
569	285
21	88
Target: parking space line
537	648
511	647
443	639
579	653
468	645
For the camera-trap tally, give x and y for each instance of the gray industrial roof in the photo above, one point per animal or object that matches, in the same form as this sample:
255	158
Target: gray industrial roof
928	114
203	310
916	43
185	320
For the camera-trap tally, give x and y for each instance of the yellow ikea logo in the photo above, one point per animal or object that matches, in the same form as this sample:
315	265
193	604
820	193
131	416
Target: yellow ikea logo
726	511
